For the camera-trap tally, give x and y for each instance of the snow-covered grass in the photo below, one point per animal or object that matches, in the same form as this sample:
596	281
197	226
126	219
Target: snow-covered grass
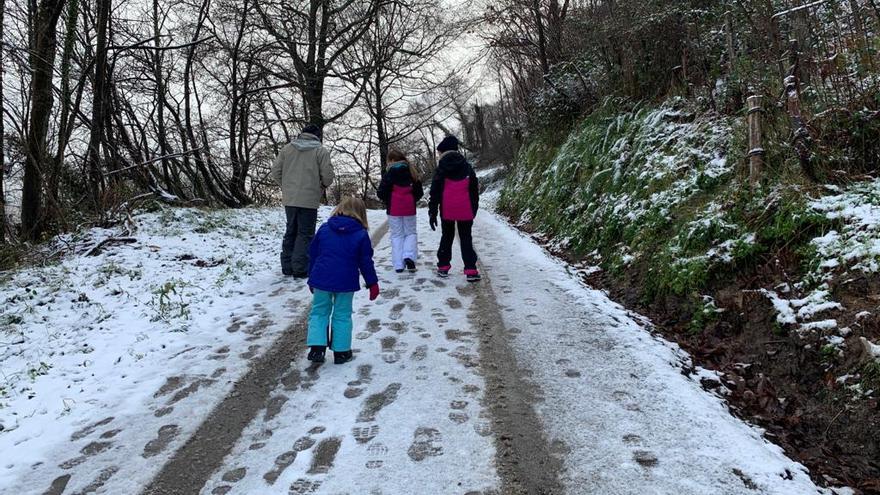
851	245
93	333
635	187
856	246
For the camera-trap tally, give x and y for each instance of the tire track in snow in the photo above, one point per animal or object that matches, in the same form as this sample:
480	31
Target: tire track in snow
203	453
523	455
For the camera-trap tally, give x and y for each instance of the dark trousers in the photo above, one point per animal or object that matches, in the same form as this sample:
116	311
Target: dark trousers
468	255
297	238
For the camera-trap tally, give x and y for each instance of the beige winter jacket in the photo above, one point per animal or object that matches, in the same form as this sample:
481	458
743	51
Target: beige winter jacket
303	170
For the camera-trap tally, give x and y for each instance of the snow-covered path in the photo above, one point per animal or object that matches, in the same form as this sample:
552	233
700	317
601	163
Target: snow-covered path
403	417
455	389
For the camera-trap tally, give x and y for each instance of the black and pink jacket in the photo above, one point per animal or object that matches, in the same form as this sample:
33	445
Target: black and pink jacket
455	191
399	192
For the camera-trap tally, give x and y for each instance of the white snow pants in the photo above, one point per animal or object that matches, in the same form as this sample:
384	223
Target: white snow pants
404	239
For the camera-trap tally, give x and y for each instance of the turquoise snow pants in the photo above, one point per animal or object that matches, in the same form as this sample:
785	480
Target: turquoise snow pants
331	310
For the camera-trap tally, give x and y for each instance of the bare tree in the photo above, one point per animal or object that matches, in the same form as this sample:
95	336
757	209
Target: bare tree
41	62
400	52
314	35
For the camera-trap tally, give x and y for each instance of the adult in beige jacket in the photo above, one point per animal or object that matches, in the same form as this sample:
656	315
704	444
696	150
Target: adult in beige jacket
303	170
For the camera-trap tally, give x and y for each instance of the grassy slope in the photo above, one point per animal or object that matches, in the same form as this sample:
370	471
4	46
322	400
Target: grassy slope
654	190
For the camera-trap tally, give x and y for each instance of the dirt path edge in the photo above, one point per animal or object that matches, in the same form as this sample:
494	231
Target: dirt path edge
523	455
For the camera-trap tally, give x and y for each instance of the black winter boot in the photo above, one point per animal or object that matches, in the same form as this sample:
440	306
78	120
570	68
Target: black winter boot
410	265
342	357
316	354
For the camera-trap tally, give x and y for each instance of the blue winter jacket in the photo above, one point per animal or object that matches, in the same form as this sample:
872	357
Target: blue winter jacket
341	248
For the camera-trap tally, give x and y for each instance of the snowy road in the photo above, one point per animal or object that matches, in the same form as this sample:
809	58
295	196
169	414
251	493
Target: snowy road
526	383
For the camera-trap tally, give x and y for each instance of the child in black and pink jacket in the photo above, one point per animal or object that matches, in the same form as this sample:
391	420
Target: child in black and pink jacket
400	190
455	194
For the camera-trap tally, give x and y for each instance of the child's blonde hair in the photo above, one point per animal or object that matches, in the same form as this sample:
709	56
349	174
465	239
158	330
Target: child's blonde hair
354	208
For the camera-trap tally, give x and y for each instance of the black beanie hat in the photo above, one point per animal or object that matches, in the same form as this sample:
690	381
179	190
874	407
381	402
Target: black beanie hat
314	130
449	143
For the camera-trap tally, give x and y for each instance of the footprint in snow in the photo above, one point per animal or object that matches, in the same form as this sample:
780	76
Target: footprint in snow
100	480
304	486
453	303
376	453
234	475
163	438
376	402
632	439
413	305
645	459
483	428
420	353
92	449
273	408
250	353
396	311
219	354
324	455
282	462
427	442
58	485
353	392
88	430
365	434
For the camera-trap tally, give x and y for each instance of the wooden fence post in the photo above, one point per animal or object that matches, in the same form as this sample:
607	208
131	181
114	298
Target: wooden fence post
756	149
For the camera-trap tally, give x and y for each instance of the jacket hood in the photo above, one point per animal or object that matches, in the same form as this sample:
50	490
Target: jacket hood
454	165
306	141
344	225
399	174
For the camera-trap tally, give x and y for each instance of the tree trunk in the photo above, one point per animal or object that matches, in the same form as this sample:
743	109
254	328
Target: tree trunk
314	99
100	101
238	102
542	38
800	133
480	124
2	132
731	49
161	132
381	131
42	63
68	112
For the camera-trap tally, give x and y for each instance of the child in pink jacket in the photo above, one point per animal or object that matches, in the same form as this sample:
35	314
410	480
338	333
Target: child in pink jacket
455	195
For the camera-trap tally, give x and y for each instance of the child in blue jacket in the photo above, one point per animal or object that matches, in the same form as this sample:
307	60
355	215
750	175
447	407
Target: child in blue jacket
340	251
